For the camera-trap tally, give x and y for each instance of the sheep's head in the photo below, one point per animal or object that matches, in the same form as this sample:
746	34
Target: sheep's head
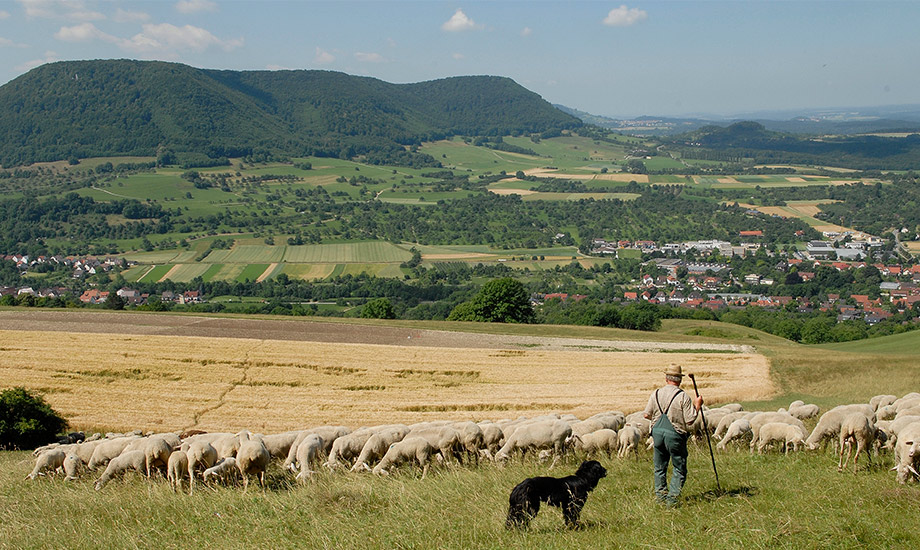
573	441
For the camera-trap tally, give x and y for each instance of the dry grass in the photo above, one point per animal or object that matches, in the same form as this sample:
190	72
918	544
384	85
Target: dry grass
172	382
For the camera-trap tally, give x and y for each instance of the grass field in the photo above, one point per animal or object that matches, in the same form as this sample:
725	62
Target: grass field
772	501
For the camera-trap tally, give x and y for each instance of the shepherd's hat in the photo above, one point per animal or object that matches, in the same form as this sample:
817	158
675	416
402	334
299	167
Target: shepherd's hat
674	370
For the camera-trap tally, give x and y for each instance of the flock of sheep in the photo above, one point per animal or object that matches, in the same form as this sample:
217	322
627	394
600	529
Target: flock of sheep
885	423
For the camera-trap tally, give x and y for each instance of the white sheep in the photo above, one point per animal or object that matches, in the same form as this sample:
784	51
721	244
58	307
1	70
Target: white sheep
107	450
789	435
307	453
856	427
279	445
176	469
907	453
828	427
347	447
225	470
472	438
201	456
73	466
377	446
762	419
733	407
886	412
603	440
409	449
539	435
738	429
327	433
131	460
445	439
894	428
252	458
492	437
879	401
50	460
727	420
804	411
628	439
644	425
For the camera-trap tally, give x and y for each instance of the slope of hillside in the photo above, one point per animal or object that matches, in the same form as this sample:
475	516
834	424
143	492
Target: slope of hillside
125	107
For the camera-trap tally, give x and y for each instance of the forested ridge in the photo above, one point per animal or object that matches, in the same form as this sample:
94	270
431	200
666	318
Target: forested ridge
79	109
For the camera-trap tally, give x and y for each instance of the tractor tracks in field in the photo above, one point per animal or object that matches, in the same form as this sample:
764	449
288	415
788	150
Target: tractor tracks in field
244	365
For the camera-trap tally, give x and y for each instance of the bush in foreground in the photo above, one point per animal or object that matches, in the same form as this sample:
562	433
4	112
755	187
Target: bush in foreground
26	420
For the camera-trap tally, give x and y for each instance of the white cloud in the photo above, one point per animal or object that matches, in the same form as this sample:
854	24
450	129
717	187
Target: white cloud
60	9
369	57
459	22
7	43
4	14
458	56
526	31
195	6
124	16
323	57
273	67
84	32
624	17
165	36
50	57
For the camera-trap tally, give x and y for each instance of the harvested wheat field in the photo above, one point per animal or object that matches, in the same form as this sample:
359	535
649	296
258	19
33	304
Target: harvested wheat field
118	380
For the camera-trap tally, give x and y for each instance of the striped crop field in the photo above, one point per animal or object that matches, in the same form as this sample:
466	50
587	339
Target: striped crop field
247	254
251	272
376	270
183	273
132	274
211	273
308	272
375	251
156	273
229	272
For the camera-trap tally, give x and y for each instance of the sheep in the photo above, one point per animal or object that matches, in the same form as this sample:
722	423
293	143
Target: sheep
279	445
208	437
227	445
131	460
201	456
788	434
327	433
803	411
894	428
856	427
472	438
604	439
628	439
348	446
880	401
733	407
492	437
307	453
761	419
156	452
252	459
736	430
539	435
828	427
224	470
911	411
107	450
177	468
410	448
644	425
907	453
902	404
73	465
376	447
727	420
886	412
50	460
445	439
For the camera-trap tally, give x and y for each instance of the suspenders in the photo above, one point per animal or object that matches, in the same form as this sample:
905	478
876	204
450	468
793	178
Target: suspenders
665	411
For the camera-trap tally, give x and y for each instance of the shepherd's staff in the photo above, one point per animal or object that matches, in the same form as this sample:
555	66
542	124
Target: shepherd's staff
708	441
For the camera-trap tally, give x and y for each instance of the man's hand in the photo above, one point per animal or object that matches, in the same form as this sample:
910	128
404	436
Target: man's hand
647	416
698	403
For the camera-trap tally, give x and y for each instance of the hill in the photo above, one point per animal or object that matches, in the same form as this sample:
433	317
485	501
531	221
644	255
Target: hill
123	107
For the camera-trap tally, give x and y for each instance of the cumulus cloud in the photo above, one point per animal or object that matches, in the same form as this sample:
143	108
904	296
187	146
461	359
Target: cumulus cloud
459	22
124	16
50	57
624	17
60	9
526	31
369	57
7	43
84	32
165	36
195	6
323	57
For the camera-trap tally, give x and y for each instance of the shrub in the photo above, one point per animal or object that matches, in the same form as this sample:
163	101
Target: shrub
26	420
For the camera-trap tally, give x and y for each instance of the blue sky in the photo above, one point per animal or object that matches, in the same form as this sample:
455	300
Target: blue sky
607	58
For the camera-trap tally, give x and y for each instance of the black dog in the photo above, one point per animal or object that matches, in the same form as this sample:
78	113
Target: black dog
568	493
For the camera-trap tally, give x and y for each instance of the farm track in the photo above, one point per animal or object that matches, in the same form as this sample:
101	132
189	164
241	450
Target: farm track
102	322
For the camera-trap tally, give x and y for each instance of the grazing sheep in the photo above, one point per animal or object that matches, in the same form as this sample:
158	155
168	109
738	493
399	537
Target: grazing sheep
224	471
227	445
492	437
376	447
327	433
644	425
445	439
733	407
279	445
911	411
880	401
856	427
762	419
612	420
131	460
828	427
107	450
252	459
539	435
787	434
907	453
727	420
156	453
201	456
409	449
307	453
886	412
73	466
176	469
472	438
50	460
604	440
738	429
346	447
903	403
804	411
895	427
628	439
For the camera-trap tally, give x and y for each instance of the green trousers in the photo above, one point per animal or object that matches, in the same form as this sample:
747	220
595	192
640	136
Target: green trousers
670	446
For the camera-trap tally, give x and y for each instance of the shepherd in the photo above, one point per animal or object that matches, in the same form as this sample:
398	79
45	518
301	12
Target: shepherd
671	412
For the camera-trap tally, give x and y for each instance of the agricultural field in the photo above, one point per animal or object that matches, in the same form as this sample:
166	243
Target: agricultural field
805	211
263	378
